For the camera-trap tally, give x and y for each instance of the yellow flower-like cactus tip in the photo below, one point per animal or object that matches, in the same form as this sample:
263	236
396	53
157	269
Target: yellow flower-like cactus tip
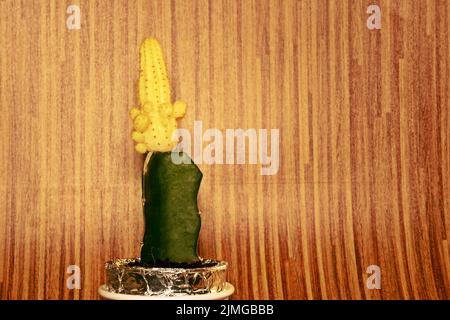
153	83
154	121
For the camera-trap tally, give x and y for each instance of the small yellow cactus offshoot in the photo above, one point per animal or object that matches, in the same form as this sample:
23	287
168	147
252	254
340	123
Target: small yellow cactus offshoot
154	121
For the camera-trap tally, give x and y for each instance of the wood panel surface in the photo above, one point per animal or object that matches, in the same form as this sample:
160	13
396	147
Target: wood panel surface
364	123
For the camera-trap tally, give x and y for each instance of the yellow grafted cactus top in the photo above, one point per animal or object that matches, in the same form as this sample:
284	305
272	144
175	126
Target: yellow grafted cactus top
154	121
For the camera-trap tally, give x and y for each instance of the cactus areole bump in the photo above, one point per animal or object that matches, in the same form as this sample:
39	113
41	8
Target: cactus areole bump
169	190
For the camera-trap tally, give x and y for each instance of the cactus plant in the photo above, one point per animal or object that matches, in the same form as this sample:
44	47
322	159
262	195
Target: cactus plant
172	218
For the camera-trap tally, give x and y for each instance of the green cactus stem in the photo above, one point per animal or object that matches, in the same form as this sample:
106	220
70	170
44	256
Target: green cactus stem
172	217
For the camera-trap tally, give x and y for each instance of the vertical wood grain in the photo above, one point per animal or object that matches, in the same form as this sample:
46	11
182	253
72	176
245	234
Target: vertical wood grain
364	119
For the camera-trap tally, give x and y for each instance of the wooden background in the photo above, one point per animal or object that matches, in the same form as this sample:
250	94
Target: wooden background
364	121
